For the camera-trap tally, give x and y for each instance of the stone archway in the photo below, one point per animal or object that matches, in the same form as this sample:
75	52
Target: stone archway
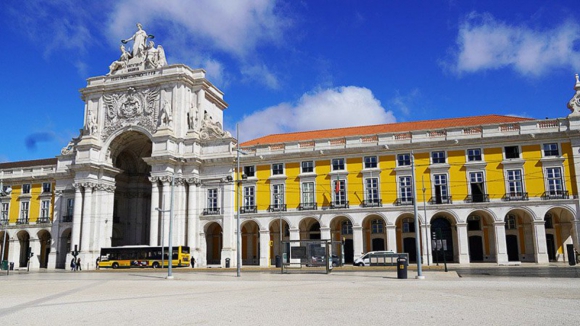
442	227
374	233
24	242
341	230
406	236
5	247
519	229
559	225
44	239
309	229
132	203
481	239
275	249
250	243
214	243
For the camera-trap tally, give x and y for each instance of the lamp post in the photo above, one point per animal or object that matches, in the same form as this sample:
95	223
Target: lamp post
425	214
169	268
417	242
162	211
238	235
4	221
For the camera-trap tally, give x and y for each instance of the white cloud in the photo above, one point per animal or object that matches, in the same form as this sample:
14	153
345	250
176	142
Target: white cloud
484	43
322	109
404	103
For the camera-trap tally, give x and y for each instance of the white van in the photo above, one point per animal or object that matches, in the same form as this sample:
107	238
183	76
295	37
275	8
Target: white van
376	258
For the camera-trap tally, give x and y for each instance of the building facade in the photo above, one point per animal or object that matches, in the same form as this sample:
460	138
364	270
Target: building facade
496	189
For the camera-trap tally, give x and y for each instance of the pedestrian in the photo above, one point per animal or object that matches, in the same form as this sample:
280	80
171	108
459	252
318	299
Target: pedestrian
78	266
192	262
73	265
97	262
577	255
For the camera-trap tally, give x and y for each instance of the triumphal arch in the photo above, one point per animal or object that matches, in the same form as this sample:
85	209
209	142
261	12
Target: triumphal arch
148	126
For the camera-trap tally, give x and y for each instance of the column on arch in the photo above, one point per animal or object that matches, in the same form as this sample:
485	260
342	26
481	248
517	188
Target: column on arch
265	248
391	238
357	240
463	243
165	205
77	217
192	209
154	224
179	213
500	242
541	249
87	218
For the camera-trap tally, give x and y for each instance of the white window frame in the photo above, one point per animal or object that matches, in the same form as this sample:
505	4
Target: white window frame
557	149
278	193
275	169
372	193
369	161
403	158
307	163
405	188
253	168
5	210
474	149
26	188
511	182
339	198
249	200
443	186
44	209
308	196
70	206
512	158
550	180
340	164
212	199
24	211
434	153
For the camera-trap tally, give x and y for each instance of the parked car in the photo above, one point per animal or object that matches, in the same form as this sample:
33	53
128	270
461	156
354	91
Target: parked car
320	261
378	257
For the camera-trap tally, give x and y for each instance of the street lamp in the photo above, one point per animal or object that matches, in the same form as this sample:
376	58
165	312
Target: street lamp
417	242
239	200
4	221
169	268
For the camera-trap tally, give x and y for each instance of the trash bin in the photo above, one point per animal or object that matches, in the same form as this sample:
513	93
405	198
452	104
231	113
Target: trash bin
402	267
11	265
278	262
4	265
227	263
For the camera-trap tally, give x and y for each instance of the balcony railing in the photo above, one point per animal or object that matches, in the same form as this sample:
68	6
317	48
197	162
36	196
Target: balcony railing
515	196
43	220
248	209
441	200
375	202
479	198
211	211
404	201
339	204
555	194
66	218
22	221
277	208
308	206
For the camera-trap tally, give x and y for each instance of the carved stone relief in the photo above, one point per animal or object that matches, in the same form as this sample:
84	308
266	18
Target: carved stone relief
130	108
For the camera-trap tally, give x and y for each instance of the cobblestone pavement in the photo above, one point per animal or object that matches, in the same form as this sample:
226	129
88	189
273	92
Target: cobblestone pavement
212	297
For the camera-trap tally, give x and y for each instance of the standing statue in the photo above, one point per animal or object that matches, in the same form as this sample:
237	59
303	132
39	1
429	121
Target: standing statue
155	57
192	116
92	125
165	118
139	41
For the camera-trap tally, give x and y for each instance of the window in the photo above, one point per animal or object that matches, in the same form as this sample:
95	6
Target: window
512	152
212	199
46	187
474	155
370	162
510	222
440	188
250	171
4	213
24	206
308	193
514	182
346	227
438	157
554	181
278	169
249	197
307	167
5	190
338	164
477	187
551	150
408	225
404	159
339	192
278	195
549	221
377	226
372	190
70	207
405	189
473	223
44	210
26	188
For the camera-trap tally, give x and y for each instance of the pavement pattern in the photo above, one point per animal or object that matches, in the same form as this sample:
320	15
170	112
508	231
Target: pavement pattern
212	297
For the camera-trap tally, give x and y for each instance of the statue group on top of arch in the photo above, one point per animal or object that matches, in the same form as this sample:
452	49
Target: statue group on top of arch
143	55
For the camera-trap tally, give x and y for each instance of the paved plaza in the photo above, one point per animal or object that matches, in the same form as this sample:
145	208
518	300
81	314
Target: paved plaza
206	297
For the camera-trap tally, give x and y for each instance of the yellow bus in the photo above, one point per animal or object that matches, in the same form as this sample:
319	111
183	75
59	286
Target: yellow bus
143	256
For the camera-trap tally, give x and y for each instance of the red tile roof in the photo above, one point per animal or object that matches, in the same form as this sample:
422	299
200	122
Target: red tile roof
384	128
25	164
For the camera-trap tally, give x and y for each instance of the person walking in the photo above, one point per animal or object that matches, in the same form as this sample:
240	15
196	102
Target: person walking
192	262
73	265
78	266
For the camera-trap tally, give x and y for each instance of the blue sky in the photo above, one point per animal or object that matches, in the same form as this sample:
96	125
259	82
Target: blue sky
293	65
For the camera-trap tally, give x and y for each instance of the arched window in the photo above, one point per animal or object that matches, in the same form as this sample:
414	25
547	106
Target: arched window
549	220
346	227
473	223
377	226
510	222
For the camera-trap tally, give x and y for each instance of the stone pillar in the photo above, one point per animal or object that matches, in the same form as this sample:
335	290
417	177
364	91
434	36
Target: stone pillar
179	212
357	240
325	233
34	262
55	231
154	225
463	243
192	213
427	250
391	238
500	243
106	227
265	248
77	218
166	206
87	218
541	247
